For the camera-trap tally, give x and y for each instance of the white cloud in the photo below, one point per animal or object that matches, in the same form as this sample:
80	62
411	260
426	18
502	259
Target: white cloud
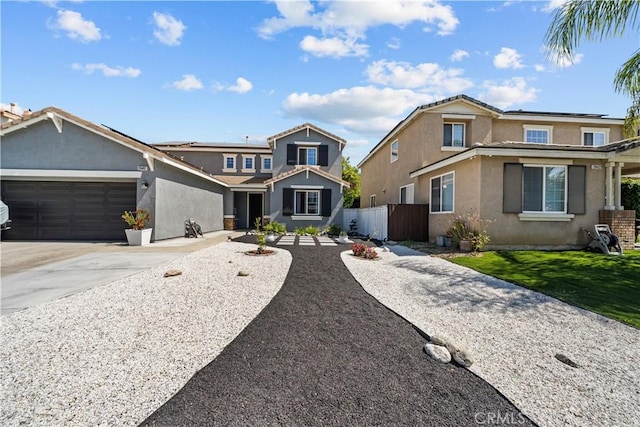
508	58
168	29
350	20
76	27
333	46
564	61
394	43
539	67
242	86
553	5
188	82
17	109
107	71
429	76
508	93
362	109
459	55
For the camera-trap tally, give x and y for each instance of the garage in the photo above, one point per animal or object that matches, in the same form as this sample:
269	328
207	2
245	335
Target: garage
67	210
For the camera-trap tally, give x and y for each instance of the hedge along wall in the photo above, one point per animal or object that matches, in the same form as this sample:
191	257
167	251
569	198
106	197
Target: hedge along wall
631	195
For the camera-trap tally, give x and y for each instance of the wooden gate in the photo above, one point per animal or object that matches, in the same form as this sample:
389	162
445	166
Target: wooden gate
409	222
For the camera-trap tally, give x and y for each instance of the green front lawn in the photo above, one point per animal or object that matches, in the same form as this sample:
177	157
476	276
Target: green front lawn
605	284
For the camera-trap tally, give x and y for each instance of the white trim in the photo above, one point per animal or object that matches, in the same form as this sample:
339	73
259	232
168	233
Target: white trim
410	200
459	116
228	216
447	148
544	188
307	191
307	187
541	216
547	128
248	187
226	156
57	120
58	174
317	163
464	134
244	163
584	130
545	162
306	218
311	143
262	159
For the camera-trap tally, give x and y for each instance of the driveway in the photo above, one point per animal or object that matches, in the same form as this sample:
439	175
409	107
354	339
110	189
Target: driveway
37	272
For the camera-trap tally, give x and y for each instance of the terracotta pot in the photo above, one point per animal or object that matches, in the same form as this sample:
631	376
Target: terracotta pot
466	245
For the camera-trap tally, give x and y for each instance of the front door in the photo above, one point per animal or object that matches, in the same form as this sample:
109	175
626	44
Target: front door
255	208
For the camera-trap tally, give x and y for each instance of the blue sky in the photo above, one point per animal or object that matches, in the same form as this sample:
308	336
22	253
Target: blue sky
211	71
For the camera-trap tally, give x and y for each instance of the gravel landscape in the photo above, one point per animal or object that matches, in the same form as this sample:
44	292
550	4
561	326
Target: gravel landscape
114	354
513	336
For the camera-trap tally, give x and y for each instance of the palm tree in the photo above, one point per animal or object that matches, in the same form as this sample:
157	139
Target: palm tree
597	20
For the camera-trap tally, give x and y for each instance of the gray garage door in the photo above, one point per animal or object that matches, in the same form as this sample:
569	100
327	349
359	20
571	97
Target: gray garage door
67	210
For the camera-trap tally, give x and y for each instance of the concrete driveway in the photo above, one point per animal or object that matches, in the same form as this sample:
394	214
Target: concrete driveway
36	272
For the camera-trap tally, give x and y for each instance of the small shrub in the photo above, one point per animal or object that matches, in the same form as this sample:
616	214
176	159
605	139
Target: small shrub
469	227
312	230
275	227
137	220
334	230
261	236
364	251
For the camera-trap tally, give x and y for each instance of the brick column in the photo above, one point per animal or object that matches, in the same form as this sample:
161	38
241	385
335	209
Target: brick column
229	222
622	224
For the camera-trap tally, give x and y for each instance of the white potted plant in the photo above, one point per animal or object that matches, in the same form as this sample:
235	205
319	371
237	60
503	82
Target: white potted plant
344	238
137	235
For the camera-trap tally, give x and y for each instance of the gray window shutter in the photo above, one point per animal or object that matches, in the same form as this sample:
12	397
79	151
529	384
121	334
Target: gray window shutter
323	155
576	203
325	200
512	188
287	201
292	154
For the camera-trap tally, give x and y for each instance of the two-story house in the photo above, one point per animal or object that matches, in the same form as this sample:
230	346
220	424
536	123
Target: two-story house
538	178
66	178
295	179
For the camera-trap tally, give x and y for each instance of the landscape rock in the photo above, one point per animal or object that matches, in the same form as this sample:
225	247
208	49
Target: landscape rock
564	359
462	358
171	273
438	340
242	273
438	352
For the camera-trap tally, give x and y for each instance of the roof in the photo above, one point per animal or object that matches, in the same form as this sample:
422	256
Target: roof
305	126
523	149
242	179
308	168
213	145
56	114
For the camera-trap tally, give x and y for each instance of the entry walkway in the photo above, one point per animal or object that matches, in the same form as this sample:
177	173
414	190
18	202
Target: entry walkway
305	241
324	352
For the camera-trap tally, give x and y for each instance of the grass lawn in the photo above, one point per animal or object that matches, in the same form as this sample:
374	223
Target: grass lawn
608	285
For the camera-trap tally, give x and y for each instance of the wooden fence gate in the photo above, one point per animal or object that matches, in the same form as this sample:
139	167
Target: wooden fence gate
409	222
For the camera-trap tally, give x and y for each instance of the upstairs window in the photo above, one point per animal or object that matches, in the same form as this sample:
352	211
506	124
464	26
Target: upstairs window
307	156
248	163
538	134
266	163
394	151
453	135
372	201
594	137
229	164
312	153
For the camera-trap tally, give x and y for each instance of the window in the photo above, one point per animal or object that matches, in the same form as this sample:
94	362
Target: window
229	163
394	151
248	163
307	156
307	203
442	192
453	135
538	134
372	201
594	137
406	194
544	189
266	163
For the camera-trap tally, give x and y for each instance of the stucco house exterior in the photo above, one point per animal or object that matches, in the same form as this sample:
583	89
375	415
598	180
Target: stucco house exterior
537	178
295	179
65	178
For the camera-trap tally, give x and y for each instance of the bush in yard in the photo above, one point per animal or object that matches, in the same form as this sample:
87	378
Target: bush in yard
469	227
276	227
631	194
363	251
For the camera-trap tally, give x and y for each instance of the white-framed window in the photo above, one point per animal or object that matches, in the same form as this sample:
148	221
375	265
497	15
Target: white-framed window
442	193
307	155
248	163
394	151
307	202
267	163
544	189
229	163
406	195
594	137
453	135
372	201
538	134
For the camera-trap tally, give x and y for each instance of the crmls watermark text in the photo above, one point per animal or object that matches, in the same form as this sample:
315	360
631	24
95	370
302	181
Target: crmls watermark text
499	418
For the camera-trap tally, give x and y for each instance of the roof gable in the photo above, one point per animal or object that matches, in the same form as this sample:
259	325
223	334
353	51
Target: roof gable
299	169
305	127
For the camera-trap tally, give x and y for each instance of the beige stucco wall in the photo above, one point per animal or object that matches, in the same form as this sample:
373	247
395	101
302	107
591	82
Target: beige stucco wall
563	133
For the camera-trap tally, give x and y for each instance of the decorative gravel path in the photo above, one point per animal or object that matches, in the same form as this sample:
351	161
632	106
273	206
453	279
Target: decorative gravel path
324	352
114	354
513	334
